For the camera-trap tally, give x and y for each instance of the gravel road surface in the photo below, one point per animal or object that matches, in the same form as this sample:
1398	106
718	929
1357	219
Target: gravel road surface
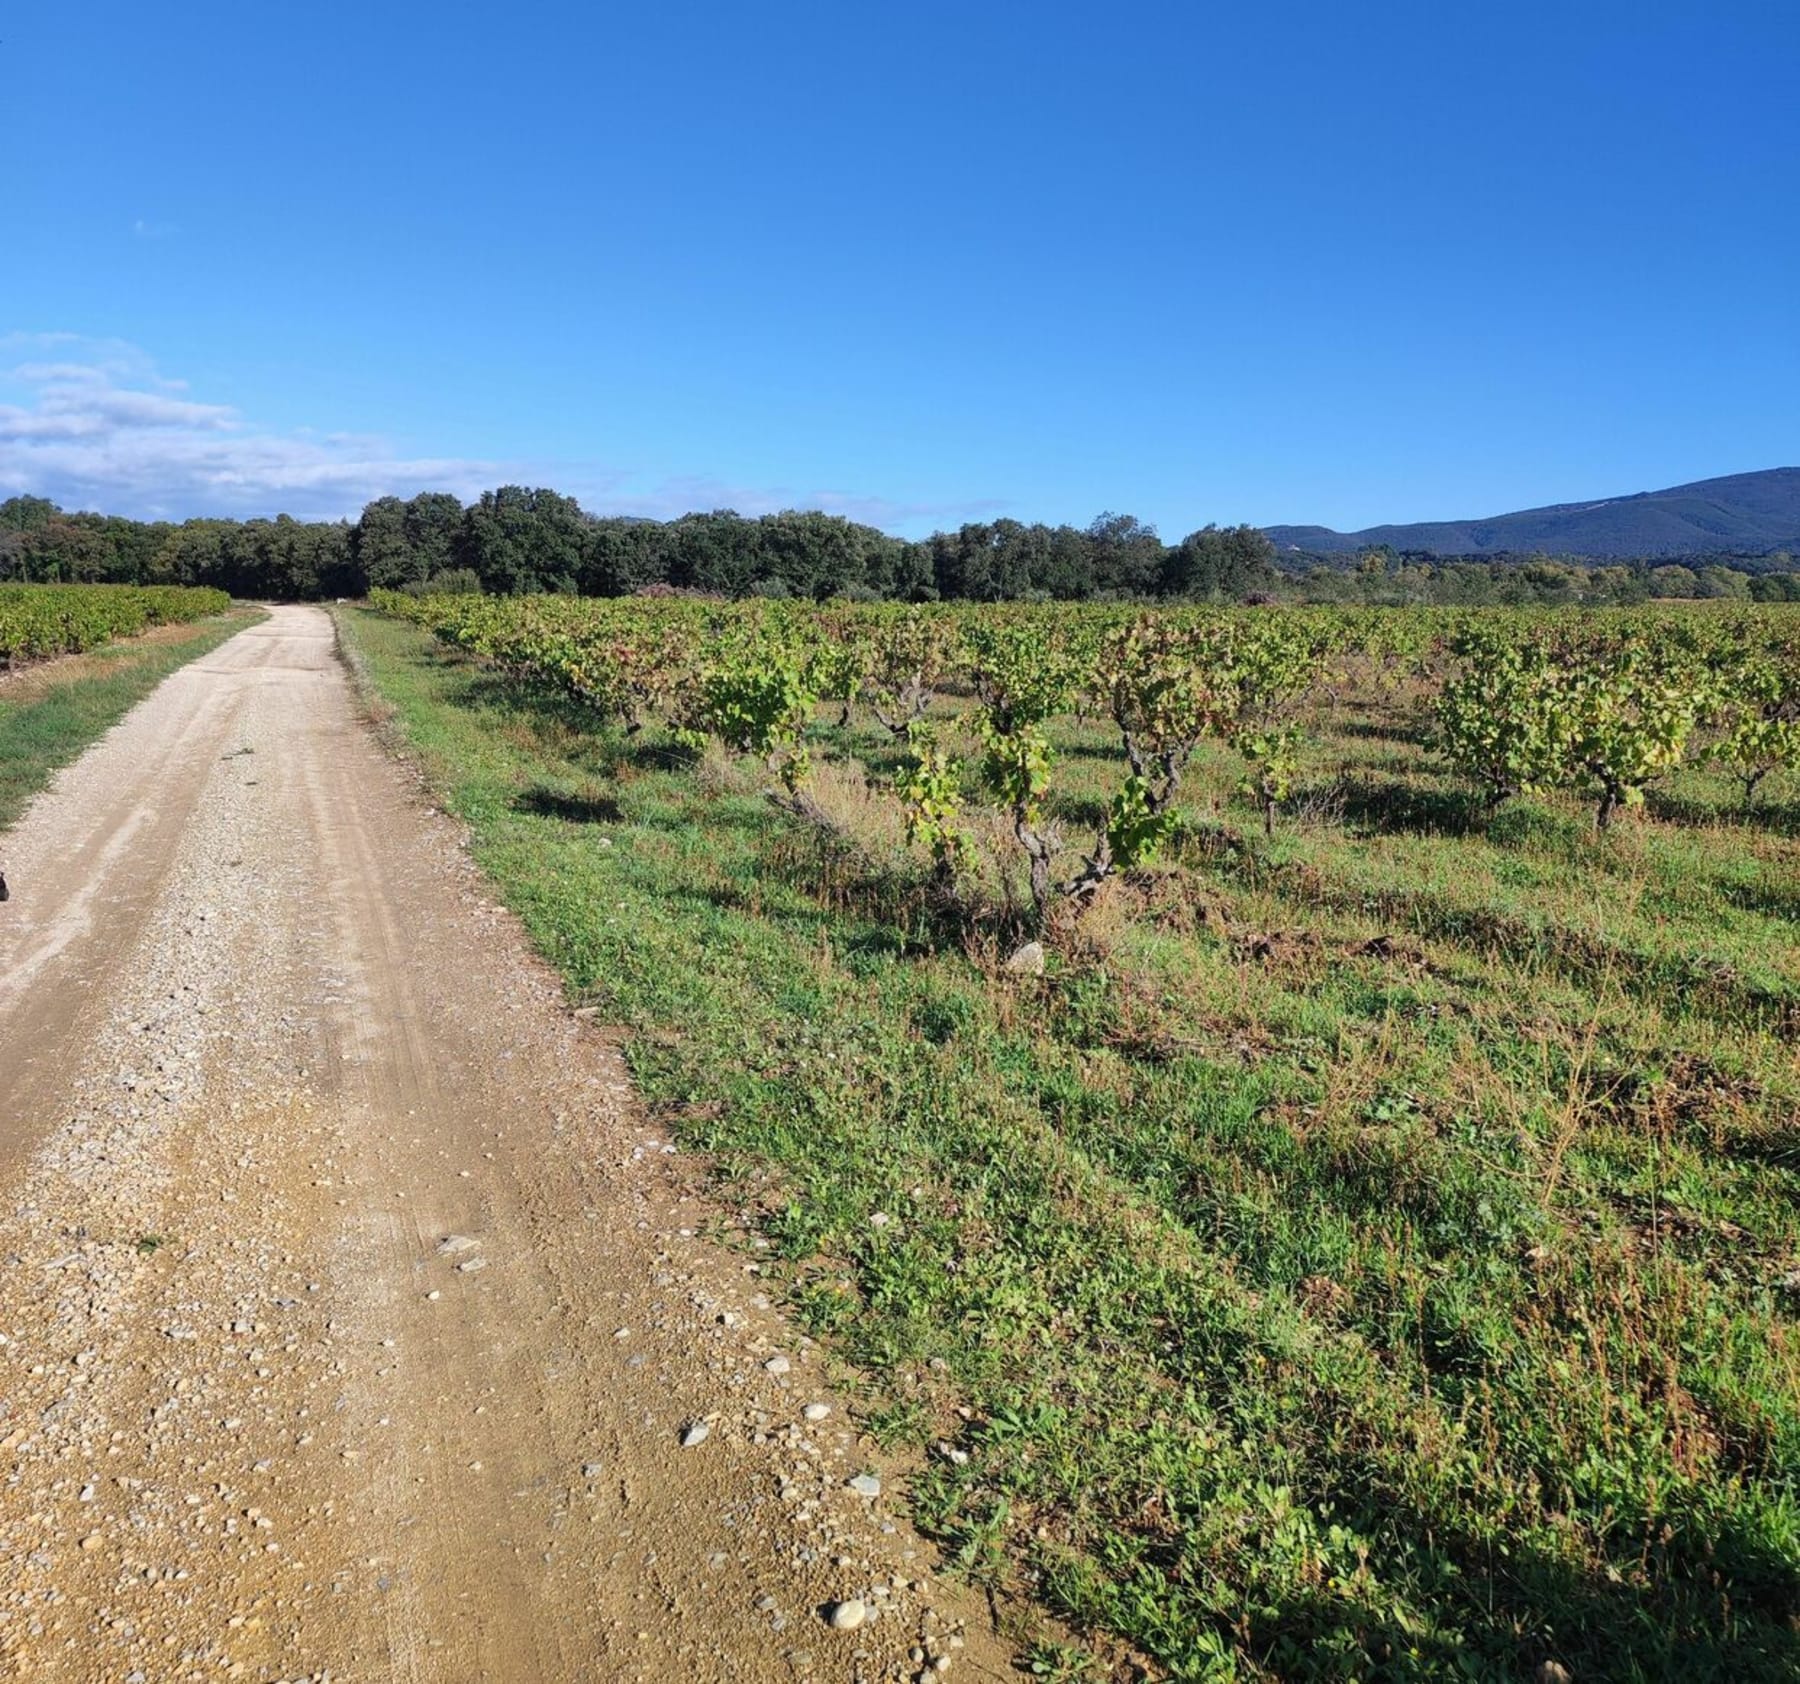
354	1319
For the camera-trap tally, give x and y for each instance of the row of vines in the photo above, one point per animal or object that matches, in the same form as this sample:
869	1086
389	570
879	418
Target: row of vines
41	621
1517	702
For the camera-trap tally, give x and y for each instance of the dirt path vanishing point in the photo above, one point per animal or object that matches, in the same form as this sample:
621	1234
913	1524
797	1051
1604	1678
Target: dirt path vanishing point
352	1320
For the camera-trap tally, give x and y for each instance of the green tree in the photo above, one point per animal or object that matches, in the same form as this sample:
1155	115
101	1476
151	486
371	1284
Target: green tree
382	550
26	514
1724	583
1127	555
1219	564
520	541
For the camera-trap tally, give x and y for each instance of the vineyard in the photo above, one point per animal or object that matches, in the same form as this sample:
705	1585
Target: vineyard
1291	1111
38	622
1518	703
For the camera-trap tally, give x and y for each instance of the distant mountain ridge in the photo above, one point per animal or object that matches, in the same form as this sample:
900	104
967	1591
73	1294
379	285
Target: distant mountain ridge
1748	513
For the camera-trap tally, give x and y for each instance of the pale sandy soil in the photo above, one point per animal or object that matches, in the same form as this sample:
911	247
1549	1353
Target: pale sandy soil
265	1044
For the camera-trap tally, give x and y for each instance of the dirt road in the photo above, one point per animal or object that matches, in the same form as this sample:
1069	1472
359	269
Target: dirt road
353	1320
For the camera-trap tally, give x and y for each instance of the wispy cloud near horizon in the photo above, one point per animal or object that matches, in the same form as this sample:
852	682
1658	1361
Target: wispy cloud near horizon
95	424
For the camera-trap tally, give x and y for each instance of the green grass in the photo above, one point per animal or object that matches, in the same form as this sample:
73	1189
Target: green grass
71	704
1371	1254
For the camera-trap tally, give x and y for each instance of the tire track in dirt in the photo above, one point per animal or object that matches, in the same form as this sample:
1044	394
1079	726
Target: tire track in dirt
265	1044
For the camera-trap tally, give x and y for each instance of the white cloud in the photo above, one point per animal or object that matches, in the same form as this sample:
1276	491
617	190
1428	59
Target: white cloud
80	401
100	428
96	425
43	374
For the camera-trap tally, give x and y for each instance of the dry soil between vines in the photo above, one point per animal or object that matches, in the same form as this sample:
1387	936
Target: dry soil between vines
266	1044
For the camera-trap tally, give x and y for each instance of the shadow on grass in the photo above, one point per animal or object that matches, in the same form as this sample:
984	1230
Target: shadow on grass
1682	1627
882	936
1418	809
574	809
1772	900
504	692
1778	818
1107	753
806	881
1774	1145
882	757
647	753
1377	731
1079	814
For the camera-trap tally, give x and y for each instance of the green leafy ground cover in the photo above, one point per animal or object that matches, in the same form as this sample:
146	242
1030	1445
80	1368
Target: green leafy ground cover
1368	1253
48	717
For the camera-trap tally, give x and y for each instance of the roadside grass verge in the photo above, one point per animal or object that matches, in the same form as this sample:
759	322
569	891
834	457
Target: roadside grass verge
1276	1287
51	713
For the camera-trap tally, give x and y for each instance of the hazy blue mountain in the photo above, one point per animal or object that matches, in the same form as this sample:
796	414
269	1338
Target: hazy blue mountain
1742	512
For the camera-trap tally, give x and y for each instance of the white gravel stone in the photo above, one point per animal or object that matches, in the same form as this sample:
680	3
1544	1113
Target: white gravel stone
1027	960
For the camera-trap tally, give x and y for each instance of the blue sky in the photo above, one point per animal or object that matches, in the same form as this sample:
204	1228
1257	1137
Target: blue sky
923	263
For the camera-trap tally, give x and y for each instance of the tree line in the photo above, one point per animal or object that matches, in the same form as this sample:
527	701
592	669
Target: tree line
1383	579
519	540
